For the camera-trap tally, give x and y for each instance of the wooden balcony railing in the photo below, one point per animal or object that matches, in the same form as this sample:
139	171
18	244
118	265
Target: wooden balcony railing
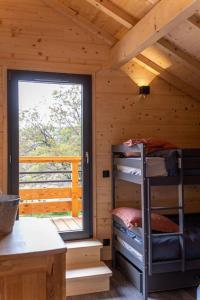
36	200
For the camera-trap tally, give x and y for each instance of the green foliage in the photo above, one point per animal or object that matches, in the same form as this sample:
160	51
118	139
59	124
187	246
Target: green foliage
54	214
59	134
56	134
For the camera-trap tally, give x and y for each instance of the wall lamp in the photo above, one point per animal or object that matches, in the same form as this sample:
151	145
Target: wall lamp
144	90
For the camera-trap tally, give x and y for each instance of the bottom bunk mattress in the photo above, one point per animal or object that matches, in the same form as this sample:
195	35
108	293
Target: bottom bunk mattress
166	247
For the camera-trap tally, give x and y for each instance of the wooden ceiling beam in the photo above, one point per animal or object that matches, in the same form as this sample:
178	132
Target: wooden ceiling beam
113	11
195	21
186	59
167	76
153	1
161	19
66	11
128	21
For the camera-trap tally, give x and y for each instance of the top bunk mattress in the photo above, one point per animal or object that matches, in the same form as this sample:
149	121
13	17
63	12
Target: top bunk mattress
155	166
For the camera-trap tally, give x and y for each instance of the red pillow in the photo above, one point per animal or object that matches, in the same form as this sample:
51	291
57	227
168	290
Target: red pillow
151	144
132	217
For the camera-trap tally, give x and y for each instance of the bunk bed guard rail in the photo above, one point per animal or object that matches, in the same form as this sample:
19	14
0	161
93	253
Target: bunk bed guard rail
124	148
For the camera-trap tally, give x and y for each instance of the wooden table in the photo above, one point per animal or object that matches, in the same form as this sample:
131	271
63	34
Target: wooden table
32	262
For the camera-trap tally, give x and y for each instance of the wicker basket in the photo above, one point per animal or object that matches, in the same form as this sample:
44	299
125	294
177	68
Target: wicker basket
8	212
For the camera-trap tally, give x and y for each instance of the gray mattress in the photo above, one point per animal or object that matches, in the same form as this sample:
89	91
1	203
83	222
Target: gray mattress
155	166
167	248
158	163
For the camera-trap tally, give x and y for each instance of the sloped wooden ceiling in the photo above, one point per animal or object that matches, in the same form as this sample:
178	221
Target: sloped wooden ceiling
174	56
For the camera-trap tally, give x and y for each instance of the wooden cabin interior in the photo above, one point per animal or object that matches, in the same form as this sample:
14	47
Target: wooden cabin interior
138	63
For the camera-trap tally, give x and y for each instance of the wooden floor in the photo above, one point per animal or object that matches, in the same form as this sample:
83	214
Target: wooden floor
122	289
68	223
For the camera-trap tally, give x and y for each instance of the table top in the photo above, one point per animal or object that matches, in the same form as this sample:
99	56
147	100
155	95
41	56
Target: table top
31	236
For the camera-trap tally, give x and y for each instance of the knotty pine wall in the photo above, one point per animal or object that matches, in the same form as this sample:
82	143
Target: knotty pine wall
34	37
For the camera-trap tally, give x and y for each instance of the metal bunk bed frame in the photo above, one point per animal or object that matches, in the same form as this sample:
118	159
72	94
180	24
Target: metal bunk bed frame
189	159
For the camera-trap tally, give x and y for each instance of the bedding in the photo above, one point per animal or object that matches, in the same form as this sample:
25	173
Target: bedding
168	248
151	144
132	217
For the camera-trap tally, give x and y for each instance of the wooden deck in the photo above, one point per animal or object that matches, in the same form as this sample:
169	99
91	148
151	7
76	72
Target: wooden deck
32	199
68	223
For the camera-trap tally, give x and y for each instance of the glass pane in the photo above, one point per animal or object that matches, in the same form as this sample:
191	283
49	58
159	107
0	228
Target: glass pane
50	150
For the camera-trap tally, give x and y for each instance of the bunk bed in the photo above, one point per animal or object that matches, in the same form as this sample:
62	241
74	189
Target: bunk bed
138	253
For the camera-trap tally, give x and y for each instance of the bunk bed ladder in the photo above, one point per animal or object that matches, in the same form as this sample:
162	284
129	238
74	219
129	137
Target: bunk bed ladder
181	211
113	205
145	219
149	207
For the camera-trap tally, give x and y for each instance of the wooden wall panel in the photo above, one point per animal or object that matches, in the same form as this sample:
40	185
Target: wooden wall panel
34	37
31	31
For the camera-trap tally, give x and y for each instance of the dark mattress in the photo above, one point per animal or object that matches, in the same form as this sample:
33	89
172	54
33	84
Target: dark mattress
168	248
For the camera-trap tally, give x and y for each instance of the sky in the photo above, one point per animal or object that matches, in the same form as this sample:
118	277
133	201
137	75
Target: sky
38	94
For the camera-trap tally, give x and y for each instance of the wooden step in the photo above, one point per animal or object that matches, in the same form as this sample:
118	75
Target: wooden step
88	279
82	252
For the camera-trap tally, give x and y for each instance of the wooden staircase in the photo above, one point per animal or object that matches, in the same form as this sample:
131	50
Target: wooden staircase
85	272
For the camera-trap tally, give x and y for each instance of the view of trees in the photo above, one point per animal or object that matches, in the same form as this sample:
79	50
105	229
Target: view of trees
59	133
56	134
